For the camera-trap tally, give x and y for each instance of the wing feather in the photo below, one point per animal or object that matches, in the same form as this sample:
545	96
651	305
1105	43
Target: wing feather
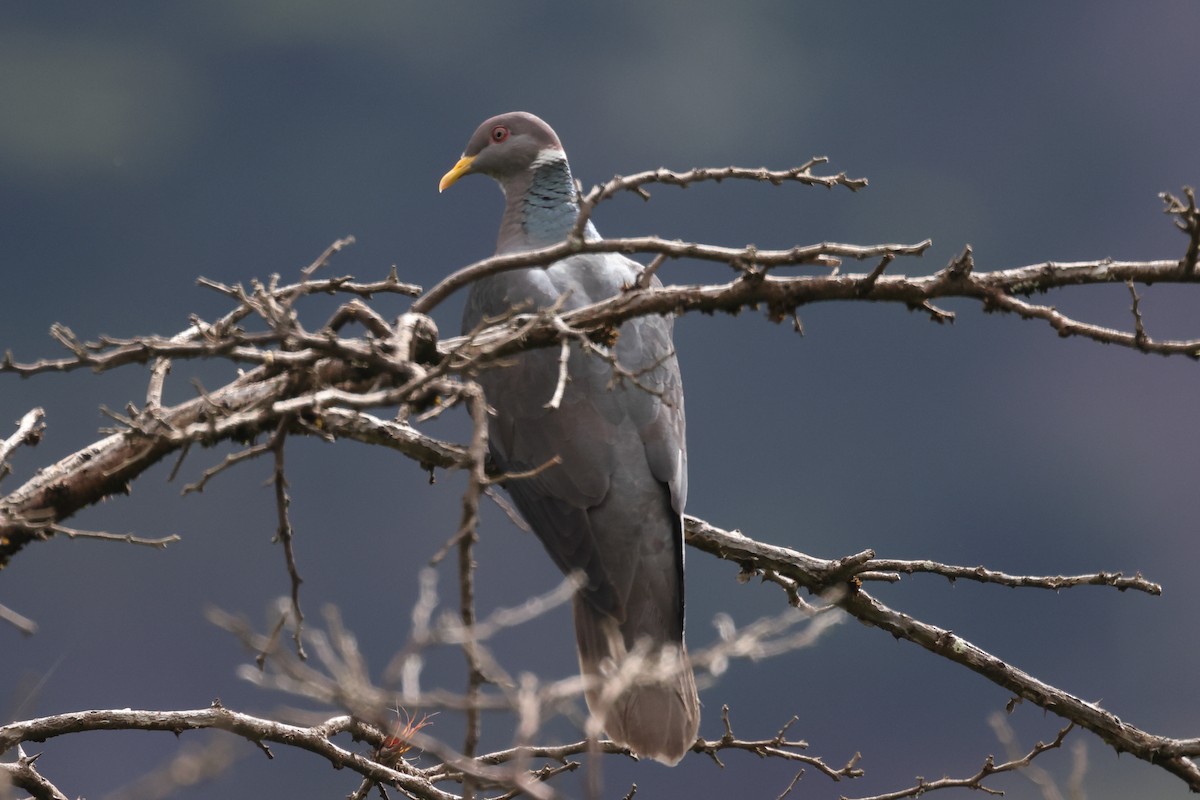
607	508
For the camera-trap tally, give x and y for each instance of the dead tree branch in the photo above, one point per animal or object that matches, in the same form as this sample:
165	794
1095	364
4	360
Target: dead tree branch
29	431
975	782
326	383
262	732
1177	756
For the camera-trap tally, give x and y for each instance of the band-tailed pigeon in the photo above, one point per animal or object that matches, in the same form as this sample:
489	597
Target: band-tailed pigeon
613	507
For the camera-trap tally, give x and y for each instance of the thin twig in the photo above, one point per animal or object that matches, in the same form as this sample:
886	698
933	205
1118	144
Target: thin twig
254	451
128	538
323	259
19	621
984	575
989	768
560	387
636	183
285	533
467	536
779	746
1188	221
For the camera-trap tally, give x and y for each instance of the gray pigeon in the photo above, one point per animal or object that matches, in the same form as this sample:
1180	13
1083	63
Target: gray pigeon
613	507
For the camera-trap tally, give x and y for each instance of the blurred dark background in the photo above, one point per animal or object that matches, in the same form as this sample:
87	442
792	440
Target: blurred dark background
145	144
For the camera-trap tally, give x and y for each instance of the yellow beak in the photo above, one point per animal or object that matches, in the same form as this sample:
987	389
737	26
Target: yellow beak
455	173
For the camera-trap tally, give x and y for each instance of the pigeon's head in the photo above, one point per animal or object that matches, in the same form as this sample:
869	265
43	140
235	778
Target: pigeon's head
506	146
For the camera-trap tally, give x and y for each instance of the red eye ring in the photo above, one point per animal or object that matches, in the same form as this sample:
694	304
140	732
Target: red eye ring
499	134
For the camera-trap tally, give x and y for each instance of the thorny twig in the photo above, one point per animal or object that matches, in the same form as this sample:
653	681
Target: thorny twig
989	768
285	534
1188	221
778	746
23	775
128	538
889	569
636	183
1033	772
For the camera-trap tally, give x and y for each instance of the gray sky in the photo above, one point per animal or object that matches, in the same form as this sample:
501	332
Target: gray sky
143	145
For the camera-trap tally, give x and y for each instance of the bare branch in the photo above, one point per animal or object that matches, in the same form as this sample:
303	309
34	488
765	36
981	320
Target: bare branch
19	621
1188	221
802	174
778	746
285	533
29	431
314	739
1034	772
204	340
989	768
646	279
323	259
254	451
871	571
1174	755
800	255
1066	326
564	358
637	182
22	774
362	427
128	538
324	383
256	401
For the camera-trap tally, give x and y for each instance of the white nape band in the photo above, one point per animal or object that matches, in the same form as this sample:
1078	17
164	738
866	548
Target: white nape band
548	155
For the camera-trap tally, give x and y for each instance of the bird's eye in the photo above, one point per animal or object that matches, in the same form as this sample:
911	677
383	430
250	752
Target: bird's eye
499	133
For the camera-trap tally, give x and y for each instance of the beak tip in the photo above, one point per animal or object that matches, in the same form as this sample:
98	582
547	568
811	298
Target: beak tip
455	173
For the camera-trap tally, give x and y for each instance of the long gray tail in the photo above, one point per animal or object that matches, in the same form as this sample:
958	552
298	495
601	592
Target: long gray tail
653	710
